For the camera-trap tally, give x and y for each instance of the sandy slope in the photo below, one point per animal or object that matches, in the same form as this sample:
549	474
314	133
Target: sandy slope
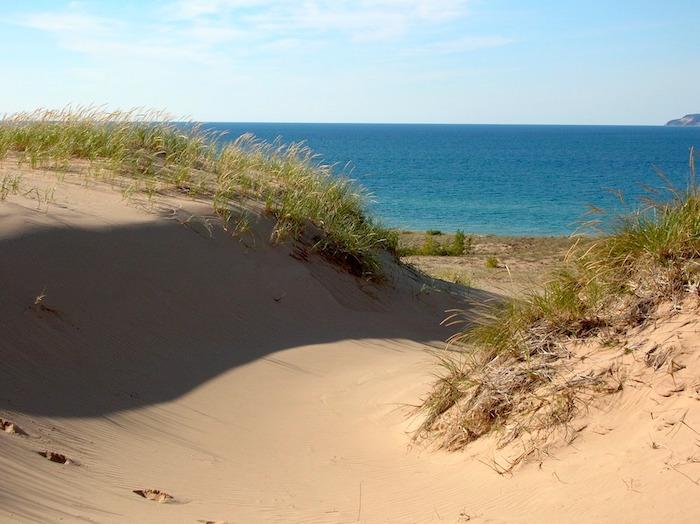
256	387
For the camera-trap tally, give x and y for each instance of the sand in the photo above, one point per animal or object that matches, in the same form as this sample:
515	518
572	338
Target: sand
189	378
523	264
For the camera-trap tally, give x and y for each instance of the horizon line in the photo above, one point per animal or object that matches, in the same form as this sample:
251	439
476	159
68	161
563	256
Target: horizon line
414	123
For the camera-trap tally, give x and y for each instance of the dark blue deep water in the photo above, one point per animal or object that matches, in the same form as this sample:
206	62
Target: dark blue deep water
519	179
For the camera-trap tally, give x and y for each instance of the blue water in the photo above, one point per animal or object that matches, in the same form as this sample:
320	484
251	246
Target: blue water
515	179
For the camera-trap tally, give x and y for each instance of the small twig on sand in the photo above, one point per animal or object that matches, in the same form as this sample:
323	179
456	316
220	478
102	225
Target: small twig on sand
630	485
554	474
688	426
696	482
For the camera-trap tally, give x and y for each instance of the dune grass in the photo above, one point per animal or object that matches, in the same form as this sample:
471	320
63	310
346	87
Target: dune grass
492	263
307	199
459	245
510	372
9	185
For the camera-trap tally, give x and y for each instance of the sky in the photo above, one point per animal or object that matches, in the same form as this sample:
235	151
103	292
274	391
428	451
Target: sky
431	61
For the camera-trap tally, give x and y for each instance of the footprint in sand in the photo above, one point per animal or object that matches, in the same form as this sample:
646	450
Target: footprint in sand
155	495
55	457
10	427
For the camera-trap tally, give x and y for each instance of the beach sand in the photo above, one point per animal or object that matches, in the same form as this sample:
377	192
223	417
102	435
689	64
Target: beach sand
231	380
522	264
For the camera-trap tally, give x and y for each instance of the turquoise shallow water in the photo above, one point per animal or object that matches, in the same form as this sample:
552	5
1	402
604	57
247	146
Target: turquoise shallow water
519	180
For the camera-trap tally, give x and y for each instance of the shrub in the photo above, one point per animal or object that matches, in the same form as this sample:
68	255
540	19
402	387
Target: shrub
492	262
431	247
461	244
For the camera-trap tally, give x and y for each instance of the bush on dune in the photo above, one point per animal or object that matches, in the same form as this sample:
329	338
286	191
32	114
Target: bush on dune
459	245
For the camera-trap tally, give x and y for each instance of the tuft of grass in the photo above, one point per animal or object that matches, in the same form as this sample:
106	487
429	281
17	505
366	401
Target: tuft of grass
461	244
307	199
511	373
9	185
456	277
431	247
492	262
458	246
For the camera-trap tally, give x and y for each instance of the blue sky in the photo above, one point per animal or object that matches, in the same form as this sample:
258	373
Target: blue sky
451	61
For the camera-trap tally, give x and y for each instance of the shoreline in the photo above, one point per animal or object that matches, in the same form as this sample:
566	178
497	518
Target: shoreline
476	234
510	266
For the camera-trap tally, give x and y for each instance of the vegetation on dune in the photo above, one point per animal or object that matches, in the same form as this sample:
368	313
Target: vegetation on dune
9	184
492	262
512	372
459	245
303	194
457	277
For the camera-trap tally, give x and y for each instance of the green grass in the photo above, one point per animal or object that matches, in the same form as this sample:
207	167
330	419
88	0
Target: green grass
517	353
306	198
455	276
9	185
459	245
492	262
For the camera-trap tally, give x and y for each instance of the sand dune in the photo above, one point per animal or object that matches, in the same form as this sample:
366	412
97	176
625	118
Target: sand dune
189	378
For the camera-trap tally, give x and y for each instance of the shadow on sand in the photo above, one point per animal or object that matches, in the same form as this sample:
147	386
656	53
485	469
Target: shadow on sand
97	321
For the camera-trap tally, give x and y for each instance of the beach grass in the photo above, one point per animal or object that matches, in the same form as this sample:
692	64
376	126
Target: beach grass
305	196
454	245
491	262
9	185
520	350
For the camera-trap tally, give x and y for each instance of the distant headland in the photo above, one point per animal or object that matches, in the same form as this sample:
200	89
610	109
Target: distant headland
687	120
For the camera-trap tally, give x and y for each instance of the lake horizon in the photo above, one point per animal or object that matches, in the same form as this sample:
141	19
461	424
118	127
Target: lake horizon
505	179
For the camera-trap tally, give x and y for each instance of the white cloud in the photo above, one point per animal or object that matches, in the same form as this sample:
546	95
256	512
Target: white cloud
359	20
114	39
205	35
187	9
217	31
68	22
466	44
